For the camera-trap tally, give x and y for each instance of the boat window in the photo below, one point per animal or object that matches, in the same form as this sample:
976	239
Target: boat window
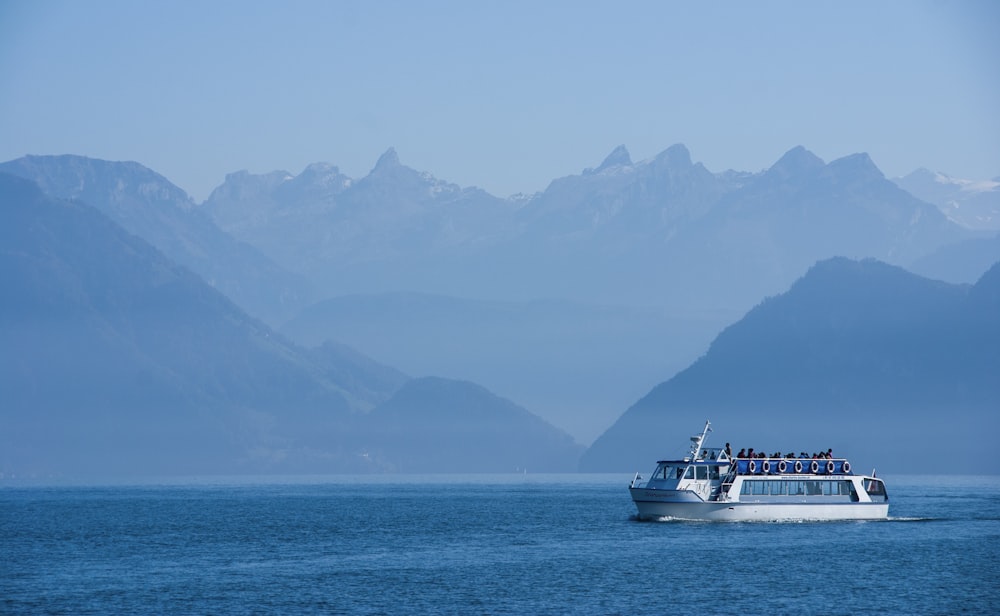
662	472
777	488
796	488
680	472
844	488
713	473
813	488
690	473
875	487
702	472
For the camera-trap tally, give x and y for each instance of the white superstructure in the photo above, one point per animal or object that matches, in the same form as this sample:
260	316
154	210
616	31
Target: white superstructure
711	484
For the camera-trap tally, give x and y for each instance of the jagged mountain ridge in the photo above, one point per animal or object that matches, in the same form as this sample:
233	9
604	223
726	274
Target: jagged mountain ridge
972	204
639	232
151	207
862	356
343	233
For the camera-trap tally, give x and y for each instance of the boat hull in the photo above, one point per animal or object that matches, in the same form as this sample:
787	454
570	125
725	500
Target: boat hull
651	508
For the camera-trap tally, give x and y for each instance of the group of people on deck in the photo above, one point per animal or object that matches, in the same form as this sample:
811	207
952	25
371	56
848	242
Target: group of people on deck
750	453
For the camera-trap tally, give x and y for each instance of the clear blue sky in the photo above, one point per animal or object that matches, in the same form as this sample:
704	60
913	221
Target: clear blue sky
504	95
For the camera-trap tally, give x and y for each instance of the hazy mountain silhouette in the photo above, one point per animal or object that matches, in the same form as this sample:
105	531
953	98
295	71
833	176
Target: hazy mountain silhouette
864	357
581	363
972	204
674	250
664	231
964	261
758	239
149	206
431	423
394	229
116	360
698	247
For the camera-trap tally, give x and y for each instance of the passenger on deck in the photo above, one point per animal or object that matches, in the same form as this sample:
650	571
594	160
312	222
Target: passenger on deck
729	451
750	453
742	453
829	454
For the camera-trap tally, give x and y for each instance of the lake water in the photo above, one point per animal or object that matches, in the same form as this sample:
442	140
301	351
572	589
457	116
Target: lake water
481	545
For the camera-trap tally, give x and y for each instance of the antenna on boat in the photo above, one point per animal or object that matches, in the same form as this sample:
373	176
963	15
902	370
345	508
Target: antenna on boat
697	440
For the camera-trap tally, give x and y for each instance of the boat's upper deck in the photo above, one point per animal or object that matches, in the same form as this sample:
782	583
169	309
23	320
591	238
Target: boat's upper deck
793	466
762	466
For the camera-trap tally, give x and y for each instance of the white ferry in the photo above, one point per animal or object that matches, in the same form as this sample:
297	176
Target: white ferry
712	484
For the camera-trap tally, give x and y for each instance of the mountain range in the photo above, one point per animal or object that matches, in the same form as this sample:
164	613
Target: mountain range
148	205
676	250
132	327
664	231
116	358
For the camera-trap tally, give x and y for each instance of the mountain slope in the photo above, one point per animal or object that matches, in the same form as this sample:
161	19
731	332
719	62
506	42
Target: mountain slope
861	356
395	228
114	360
758	239
972	204
113	357
149	206
434	425
576	364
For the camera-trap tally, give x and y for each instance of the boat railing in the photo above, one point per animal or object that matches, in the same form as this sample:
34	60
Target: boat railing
792	466
727	482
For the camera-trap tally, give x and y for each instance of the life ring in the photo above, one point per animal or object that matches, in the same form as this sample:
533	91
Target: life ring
752	466
782	466
798	466
847	466
830	466
766	467
814	467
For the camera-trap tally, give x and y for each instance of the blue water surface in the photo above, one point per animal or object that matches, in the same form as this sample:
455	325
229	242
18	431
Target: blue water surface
520	544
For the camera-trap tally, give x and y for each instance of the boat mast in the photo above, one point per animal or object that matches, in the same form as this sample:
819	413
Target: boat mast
697	440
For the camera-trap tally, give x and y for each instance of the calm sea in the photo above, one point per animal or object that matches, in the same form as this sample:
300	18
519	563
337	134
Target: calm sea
481	545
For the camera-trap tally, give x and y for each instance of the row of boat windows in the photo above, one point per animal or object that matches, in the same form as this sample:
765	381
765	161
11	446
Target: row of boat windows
793	487
690	472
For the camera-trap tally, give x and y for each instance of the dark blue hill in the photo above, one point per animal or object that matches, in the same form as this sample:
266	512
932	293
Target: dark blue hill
860	356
